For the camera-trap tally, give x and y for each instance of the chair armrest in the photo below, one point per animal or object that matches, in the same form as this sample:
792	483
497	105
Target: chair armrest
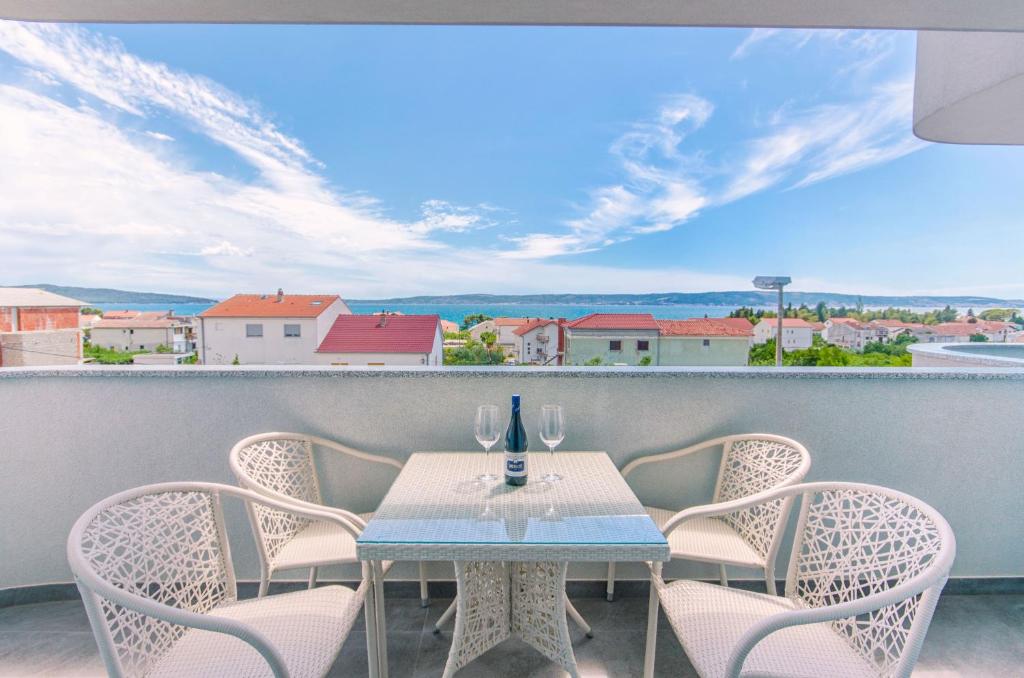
347	520
675	454
358	454
933	577
724	508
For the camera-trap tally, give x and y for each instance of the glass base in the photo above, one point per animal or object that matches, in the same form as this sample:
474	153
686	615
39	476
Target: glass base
487	477
551	477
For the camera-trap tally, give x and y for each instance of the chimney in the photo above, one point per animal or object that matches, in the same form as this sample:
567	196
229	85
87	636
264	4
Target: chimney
383	319
280	295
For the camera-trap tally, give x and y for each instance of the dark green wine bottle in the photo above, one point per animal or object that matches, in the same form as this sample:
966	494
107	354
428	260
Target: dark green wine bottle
515	447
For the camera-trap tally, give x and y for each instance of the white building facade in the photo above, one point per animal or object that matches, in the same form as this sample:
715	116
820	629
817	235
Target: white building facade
796	333
267	329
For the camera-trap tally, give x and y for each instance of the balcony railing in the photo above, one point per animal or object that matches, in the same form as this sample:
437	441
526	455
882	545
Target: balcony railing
70	436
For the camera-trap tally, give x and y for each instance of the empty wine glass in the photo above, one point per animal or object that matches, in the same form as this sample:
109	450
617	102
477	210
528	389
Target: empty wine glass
552	432
487	431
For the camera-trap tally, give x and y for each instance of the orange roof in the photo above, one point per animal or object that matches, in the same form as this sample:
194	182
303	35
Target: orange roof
788	322
124	320
510	322
381	334
614	321
701	327
449	326
267	306
534	324
884	322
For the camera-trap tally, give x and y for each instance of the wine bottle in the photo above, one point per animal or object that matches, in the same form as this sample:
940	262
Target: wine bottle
515	447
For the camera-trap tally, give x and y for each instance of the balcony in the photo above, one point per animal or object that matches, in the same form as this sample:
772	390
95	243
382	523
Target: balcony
74	435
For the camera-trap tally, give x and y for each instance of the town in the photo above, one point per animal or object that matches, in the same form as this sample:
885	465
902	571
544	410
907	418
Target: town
38	328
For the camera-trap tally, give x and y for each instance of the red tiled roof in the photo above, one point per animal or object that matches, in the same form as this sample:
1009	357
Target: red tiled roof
507	322
267	306
449	326
741	323
958	329
787	322
381	334
534	324
701	327
614	321
884	322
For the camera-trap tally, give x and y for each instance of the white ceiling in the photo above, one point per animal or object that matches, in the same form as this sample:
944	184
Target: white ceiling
991	15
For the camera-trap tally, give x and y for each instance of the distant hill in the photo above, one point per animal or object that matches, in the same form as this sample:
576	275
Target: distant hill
731	299
102	295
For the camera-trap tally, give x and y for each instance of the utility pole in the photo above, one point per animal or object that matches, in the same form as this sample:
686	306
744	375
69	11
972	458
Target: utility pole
775	282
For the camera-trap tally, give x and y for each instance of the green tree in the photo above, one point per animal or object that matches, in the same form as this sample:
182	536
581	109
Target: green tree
236	361
474	319
645	361
594	362
488	338
473	353
979	337
821	310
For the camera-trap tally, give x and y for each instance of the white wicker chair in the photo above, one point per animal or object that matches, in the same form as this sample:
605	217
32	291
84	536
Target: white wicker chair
153	565
866	570
281	465
752	465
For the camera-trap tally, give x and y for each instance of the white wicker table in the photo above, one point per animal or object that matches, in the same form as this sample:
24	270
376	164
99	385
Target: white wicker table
511	545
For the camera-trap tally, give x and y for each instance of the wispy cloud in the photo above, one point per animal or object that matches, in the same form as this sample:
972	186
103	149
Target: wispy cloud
656	194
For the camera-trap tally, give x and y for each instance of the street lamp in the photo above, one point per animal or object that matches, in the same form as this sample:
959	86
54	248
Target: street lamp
775	282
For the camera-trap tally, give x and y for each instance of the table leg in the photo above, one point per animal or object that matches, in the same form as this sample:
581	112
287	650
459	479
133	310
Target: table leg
483	612
382	629
538	611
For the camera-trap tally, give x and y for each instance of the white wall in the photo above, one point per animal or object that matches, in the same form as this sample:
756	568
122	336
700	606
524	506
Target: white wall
131	340
792	337
389	359
224	338
950	438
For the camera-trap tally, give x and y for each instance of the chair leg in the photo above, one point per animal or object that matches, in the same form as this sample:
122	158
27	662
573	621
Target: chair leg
445	617
312	577
653	604
610	589
578	618
264	582
424	591
769	579
722	578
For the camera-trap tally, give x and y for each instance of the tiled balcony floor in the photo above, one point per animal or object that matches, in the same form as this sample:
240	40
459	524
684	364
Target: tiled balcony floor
980	635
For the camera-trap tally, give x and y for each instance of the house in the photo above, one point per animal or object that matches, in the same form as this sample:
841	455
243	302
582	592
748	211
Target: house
612	338
852	334
382	340
704	341
267	329
143	331
796	332
505	330
39	328
448	327
541	342
950	333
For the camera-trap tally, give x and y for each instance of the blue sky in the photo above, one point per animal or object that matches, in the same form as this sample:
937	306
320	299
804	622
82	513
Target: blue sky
392	161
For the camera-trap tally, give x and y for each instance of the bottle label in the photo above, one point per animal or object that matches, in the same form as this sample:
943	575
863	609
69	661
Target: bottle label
515	465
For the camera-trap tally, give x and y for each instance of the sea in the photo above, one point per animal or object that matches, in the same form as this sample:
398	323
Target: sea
456	312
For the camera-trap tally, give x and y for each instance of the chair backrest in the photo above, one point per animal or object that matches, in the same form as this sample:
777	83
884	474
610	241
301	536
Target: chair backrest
162	543
281	465
754	463
857	540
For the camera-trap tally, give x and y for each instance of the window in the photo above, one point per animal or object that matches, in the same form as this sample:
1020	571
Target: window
615	345
643	345
293	330
254	330
706	343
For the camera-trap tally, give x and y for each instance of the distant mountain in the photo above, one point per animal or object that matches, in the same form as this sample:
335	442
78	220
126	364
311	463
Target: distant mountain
102	295
732	299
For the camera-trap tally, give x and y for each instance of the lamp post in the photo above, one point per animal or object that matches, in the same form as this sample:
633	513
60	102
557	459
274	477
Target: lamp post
775	282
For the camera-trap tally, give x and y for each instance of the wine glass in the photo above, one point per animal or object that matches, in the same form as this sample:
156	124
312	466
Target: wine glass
552	433
487	433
